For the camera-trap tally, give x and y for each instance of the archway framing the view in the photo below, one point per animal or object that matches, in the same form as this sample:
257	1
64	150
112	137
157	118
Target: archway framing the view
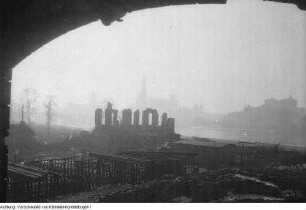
26	25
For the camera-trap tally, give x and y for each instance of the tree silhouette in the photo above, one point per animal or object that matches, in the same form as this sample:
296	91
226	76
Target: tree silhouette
29	99
50	106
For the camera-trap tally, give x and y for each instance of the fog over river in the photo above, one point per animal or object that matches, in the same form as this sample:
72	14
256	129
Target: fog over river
267	136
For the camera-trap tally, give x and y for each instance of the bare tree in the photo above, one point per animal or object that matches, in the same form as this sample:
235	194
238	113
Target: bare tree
29	99
50	106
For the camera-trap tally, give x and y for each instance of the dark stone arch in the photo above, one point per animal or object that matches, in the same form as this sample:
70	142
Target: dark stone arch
26	25
145	117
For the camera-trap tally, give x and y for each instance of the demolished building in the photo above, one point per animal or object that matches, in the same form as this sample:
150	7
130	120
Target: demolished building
131	133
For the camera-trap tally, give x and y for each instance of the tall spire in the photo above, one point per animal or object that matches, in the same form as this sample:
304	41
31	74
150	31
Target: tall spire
142	98
143	93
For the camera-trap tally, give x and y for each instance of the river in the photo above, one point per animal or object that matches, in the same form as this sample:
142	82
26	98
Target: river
266	136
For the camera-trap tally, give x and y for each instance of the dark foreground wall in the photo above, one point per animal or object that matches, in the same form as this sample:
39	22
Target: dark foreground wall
26	25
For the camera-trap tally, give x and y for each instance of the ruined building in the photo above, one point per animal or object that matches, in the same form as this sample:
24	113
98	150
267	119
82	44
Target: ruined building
131	120
133	131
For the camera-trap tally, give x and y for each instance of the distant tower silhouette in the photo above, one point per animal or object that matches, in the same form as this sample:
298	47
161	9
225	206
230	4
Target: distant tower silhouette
142	98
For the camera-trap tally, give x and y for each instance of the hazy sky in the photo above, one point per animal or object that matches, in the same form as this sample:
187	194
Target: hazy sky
223	56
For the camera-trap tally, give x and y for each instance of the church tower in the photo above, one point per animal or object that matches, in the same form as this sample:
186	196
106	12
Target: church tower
142	100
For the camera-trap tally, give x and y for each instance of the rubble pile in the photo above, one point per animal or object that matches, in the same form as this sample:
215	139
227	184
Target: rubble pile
215	185
226	185
211	186
137	176
154	191
290	179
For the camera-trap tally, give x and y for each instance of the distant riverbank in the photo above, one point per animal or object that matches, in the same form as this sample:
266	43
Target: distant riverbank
267	136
